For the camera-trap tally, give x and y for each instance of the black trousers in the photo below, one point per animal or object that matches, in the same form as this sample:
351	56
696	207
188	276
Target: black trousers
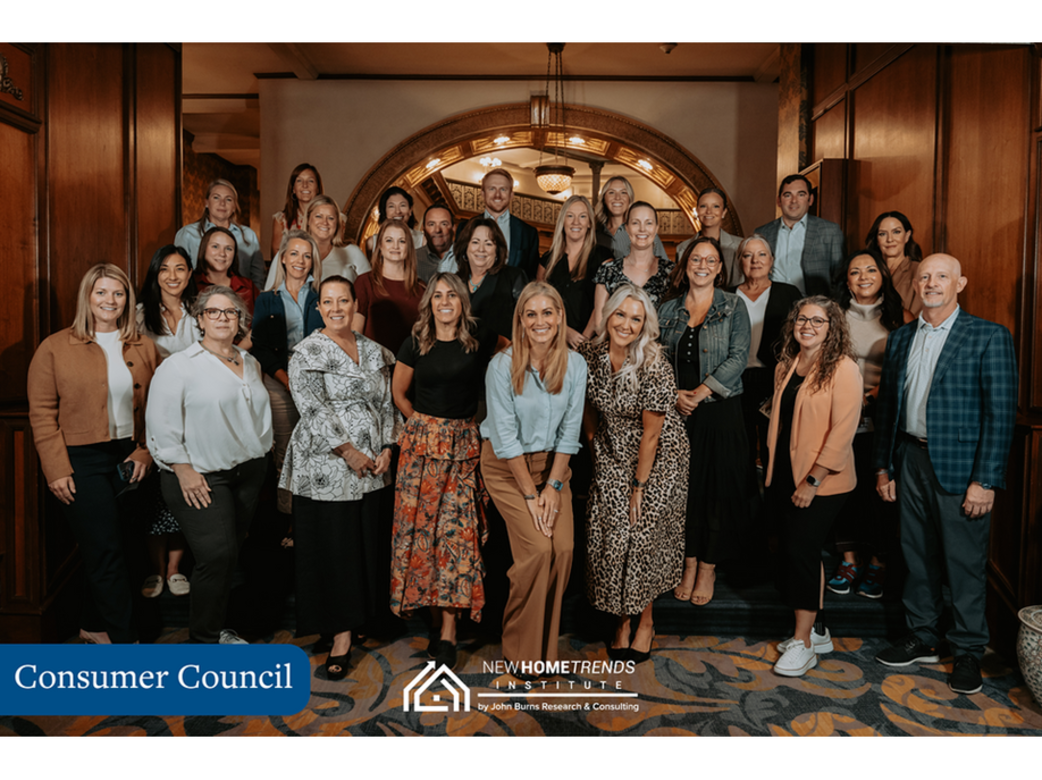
338	548
803	534
215	533
96	518
941	546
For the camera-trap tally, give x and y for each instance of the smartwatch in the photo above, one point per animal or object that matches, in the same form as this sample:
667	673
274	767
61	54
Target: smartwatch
556	484
812	481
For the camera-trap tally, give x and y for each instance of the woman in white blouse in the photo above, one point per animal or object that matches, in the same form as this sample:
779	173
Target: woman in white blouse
209	430
337	467
323	220
163	315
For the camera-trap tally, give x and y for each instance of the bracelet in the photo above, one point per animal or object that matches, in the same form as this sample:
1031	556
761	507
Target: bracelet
530	498
638	484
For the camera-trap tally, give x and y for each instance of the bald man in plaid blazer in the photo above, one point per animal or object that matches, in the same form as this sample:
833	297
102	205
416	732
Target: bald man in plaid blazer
944	424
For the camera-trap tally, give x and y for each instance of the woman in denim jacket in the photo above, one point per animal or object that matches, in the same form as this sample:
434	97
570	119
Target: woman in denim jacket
706	334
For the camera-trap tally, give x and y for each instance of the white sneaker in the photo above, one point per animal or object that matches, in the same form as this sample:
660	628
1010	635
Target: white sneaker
229	637
797	661
822	643
179	585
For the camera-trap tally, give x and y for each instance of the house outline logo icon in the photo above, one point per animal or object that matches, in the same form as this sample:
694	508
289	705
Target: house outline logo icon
421	683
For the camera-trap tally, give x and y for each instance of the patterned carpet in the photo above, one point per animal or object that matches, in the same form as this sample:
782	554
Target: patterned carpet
692	686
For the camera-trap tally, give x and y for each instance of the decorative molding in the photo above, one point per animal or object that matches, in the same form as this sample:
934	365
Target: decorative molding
624	140
19	87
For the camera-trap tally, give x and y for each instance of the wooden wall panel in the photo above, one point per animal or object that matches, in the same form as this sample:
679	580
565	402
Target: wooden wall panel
18	271
157	141
86	159
830	130
987	170
894	141
865	54
830	70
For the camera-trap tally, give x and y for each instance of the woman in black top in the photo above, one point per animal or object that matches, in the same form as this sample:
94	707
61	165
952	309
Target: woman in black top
494	287
439	519
570	265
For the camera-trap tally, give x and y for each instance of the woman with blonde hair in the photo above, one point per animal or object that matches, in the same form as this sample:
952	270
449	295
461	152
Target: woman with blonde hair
814	416
439	517
87	386
324	223
222	210
285	314
613	205
389	295
572	262
534	393
635	523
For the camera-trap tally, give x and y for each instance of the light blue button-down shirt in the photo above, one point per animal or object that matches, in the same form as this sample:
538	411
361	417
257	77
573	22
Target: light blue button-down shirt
788	255
448	264
294	313
536	420
503	220
922	362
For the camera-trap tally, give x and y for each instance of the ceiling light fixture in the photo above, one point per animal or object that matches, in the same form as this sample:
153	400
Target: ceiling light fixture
557	177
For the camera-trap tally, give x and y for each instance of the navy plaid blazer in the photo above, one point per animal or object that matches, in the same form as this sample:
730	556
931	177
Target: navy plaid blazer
971	408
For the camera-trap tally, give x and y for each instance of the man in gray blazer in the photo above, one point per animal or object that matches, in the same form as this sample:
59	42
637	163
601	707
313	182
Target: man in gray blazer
808	251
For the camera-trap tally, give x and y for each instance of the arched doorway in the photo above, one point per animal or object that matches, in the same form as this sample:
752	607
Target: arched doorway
614	137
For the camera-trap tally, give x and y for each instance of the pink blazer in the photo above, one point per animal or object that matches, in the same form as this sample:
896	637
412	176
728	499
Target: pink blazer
823	427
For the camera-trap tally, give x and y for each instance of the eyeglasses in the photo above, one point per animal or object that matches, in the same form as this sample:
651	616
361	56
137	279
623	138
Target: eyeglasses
215	314
814	322
709	262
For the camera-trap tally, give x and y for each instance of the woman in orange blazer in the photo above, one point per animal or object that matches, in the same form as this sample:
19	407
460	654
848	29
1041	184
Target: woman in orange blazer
87	389
814	416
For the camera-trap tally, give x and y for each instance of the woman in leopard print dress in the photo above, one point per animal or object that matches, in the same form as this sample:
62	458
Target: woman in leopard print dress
635	528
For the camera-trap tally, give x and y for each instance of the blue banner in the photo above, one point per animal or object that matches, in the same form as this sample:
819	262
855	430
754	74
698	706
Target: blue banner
153	679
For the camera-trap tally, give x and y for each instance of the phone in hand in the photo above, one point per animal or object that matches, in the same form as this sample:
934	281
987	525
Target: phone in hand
125	472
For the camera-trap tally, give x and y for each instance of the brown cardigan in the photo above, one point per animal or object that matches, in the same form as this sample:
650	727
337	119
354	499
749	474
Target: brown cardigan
68	396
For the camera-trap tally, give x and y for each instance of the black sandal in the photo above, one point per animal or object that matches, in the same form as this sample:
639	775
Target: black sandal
338	662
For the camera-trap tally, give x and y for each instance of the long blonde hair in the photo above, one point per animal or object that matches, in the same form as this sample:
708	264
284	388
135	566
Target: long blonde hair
557	247
643	350
425	331
556	364
326	200
316	261
83	323
602	213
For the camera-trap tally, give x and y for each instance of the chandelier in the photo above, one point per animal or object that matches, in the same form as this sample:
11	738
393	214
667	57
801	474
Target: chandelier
557	177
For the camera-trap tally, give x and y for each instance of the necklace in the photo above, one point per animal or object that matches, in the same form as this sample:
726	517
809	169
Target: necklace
234	360
474	287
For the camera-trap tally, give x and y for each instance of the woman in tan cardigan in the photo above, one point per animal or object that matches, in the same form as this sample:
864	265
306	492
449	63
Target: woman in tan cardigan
814	415
87	390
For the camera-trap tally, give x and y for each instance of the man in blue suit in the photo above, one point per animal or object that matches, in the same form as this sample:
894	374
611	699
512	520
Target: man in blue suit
522	239
944	424
808	251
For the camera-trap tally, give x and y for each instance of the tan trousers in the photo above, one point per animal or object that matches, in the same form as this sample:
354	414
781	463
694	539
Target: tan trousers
532	618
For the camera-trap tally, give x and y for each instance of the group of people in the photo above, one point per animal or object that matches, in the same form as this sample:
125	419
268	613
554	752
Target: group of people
400	390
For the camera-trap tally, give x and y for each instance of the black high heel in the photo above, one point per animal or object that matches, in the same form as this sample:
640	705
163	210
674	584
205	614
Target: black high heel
339	662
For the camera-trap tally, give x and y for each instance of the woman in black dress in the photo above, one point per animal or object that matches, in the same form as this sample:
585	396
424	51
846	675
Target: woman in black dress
570	265
494	287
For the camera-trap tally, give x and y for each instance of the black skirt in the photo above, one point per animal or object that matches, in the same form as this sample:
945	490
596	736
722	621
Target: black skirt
717	497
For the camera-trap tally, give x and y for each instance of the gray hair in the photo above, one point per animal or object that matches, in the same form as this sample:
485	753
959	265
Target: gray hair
644	349
202	301
748	240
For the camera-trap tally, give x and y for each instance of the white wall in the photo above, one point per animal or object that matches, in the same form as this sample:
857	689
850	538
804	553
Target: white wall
345	127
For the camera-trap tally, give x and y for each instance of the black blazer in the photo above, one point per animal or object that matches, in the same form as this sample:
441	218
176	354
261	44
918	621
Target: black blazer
779	305
270	344
494	302
524	247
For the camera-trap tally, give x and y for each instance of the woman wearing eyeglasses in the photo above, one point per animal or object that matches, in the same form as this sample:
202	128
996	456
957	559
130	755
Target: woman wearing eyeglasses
209	431
706	334
814	415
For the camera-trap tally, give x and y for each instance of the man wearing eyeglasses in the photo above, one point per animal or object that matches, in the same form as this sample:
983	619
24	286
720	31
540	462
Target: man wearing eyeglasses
808	250
944	423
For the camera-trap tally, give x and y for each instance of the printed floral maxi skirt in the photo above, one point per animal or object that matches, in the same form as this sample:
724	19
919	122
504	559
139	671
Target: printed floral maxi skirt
439	518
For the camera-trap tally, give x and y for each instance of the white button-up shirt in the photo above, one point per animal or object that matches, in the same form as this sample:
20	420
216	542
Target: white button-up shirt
788	255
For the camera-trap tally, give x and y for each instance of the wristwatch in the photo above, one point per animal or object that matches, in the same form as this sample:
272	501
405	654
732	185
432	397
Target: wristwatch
812	481
637	483
556	484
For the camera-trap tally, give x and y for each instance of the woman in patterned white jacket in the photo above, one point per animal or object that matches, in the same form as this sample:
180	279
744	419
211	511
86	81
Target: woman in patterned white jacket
338	468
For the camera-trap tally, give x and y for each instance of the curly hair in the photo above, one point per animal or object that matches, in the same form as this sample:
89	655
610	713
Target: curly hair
425	331
836	346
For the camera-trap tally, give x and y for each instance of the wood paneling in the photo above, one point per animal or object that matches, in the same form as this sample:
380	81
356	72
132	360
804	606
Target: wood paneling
157	140
987	170
86	188
830	131
893	145
865	54
830	70
18	271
